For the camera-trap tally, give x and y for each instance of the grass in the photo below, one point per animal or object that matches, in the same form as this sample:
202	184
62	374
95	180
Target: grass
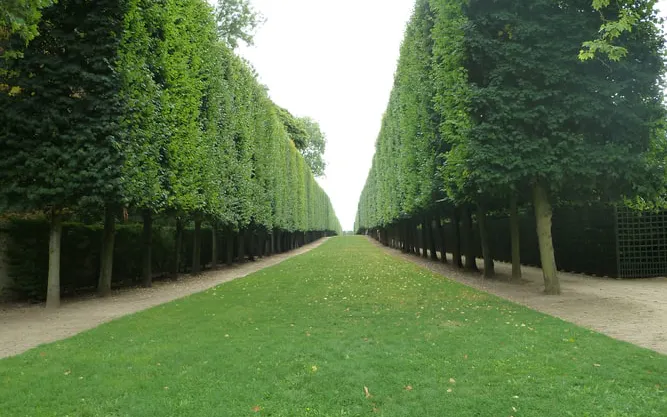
305	337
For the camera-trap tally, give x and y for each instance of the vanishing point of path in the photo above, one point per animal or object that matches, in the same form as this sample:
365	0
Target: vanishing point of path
24	328
634	311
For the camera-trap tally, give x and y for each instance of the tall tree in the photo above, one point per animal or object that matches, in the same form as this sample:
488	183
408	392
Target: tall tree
237	21
316	143
71	153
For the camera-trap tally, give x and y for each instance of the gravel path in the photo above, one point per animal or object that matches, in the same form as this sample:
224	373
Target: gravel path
631	310
25	327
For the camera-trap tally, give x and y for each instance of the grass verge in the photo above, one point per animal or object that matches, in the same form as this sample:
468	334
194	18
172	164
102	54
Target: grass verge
344	330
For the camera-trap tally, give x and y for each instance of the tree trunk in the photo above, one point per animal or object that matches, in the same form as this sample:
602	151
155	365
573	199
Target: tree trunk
489	267
229	245
53	286
425	237
471	263
252	247
196	247
431	236
106	255
272	242
515	236
178	248
241	246
147	240
443	242
404	237
543	216
456	236
214	245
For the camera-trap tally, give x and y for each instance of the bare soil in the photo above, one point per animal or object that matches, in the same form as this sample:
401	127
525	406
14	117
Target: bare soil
23	327
634	311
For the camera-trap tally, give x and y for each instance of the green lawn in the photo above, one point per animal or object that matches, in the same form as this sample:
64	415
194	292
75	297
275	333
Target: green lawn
305	337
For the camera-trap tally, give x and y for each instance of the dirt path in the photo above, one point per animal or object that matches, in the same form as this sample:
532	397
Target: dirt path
22	328
631	310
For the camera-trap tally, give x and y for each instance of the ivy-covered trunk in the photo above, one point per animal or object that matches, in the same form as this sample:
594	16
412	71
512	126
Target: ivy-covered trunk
515	237
178	249
471	263
196	247
147	243
489	267
55	238
106	255
214	244
543	214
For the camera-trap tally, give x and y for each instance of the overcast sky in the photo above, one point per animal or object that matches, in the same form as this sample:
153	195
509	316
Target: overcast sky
334	61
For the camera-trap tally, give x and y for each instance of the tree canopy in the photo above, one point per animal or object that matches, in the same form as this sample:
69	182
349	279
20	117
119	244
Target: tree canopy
491	96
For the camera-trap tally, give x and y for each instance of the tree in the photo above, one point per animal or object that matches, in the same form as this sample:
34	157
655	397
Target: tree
546	122
237	21
71	154
316	143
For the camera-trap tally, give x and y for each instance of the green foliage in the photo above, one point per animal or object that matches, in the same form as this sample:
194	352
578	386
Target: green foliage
61	144
140	103
317	329
539	114
627	15
19	18
490	98
316	144
237	21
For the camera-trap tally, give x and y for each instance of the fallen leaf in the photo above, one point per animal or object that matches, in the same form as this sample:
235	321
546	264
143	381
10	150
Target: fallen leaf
408	388
166	388
68	372
314	368
452	381
449	390
368	394
42	354
465	357
257	409
597	365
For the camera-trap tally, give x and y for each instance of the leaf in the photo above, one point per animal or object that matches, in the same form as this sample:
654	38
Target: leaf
256	409
408	388
368	394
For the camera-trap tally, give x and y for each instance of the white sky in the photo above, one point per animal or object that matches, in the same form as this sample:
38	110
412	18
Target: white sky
334	61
